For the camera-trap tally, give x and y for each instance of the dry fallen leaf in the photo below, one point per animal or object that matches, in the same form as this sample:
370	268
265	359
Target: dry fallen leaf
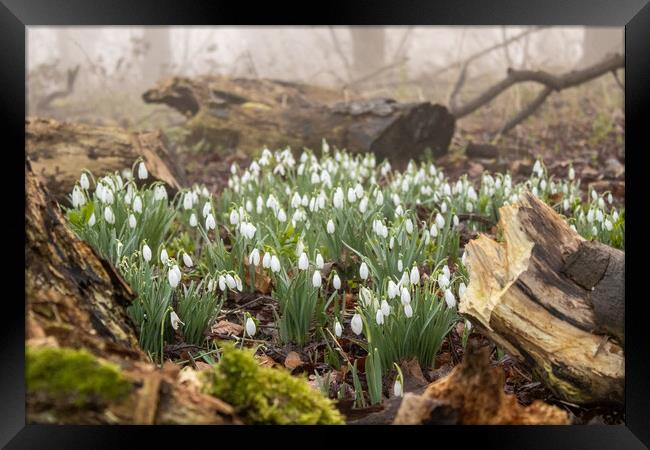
292	361
265	360
226	327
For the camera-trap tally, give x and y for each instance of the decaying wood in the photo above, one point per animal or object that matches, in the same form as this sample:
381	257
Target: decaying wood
76	299
59	151
552	300
487	151
472	394
249	114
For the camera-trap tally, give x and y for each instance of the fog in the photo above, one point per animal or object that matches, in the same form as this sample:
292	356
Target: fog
403	61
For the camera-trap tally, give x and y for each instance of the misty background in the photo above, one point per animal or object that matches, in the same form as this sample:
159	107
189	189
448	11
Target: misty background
99	73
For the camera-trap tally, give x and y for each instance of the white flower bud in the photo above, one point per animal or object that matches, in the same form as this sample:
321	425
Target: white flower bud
440	221
608	225
408	310
254	257
363	271
409	226
266	260
230	281
132	221
363	205
316	279
336	281
137	204
282	216
251	329
187	260
193	221
303	262
400	265
275	264
210	223
330	226
450	299
405	296
187	200
379	317
164	257
338	329
319	261
461	290
175	320
91	220
572	173
415	275
351	195
434	230
142	171
174	276
397	388
108	215
392	290
85	183
222	283
356	324
385	308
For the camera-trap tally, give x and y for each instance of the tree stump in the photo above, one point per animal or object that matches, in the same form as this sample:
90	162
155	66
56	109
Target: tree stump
59	151
551	299
77	300
248	114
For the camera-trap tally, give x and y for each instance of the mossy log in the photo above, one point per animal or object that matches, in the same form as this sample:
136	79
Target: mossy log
59	151
76	303
248	114
472	394
551	299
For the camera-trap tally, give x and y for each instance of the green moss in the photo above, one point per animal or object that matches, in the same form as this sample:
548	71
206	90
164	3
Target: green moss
263	395
73	374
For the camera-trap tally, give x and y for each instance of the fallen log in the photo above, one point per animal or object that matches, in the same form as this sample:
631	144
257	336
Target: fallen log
75	304
472	394
552	300
248	114
59	151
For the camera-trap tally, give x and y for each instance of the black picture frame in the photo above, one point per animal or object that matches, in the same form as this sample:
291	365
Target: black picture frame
16	15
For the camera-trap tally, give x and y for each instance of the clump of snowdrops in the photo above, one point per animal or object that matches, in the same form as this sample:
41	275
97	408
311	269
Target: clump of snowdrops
316	228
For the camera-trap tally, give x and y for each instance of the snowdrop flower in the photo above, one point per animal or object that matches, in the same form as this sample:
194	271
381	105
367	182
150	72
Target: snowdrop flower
392	290
108	215
409	226
175	320
78	198
608	225
336	281
599	215
440	221
400	265
450	299
316	279
408	310
146	253
433	231
337	200
572	173
282	216
542	185
468	325
590	216
193	221
594	231
385	308
455	220
415	275
363	271
358	190
573	227
230	281
443	281
174	276
445	270
379	198
187	200
461	290
142	171
238	283
610	199
210	223
565	204
164	257
303	262
397	388
91	221
601	203
357	324
351	195
319	261
222	283
254	257
379	317
234	217
330	226
159	193
363	205
405	296
275	264
338	329
266	260
187	260
137	204
594	195
443	209
132	221
615	216
251	329
404	281
206	209
85	183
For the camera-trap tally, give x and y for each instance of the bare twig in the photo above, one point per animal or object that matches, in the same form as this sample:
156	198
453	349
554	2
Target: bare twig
45	102
555	82
339	51
527	111
618	80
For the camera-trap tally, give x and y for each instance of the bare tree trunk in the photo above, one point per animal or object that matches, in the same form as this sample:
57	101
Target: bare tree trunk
599	42
158	58
368	49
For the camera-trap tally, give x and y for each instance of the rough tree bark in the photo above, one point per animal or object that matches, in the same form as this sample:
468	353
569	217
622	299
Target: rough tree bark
76	299
248	114
59	151
553	300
